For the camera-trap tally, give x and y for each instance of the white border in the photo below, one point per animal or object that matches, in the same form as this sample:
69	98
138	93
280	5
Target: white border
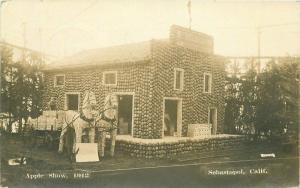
72	93
210	82
55	80
179	115
181	79
109	72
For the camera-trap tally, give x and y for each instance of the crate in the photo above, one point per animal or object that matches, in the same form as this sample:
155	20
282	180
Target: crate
50	120
51	114
199	130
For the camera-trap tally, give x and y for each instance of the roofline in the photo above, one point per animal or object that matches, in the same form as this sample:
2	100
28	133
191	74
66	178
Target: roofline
94	64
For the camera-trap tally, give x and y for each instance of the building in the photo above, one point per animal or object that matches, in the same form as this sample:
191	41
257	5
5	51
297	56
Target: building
163	86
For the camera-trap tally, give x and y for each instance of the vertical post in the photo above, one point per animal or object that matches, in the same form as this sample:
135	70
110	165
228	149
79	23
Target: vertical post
24	39
298	95
42	13
1	2
190	16
113	135
101	143
1	54
258	48
41	43
92	135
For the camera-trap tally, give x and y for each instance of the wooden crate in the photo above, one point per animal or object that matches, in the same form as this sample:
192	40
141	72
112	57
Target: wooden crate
199	130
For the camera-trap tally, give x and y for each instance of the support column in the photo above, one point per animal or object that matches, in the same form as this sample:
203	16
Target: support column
113	135
101	143
92	135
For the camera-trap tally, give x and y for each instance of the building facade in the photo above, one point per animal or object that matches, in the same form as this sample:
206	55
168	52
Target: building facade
162	85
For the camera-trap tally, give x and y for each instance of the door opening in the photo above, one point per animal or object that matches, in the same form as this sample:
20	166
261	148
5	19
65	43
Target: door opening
125	105
72	101
171	117
212	119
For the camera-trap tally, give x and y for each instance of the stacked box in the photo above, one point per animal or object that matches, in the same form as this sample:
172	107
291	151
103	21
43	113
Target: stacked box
49	114
50	123
199	130
41	123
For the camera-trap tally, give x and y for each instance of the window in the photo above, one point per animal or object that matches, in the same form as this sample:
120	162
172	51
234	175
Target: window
59	80
178	79
110	78
72	101
207	83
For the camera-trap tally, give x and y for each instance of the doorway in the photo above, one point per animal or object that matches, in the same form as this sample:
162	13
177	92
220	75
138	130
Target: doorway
125	112
172	117
72	101
212	119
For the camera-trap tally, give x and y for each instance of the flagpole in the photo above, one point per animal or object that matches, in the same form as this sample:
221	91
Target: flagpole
190	16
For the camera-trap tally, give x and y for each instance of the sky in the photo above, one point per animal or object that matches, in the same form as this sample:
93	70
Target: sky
64	27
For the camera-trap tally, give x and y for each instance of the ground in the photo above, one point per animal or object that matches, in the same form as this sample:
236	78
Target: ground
46	168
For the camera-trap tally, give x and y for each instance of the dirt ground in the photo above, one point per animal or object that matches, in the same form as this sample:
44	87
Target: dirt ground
44	160
40	157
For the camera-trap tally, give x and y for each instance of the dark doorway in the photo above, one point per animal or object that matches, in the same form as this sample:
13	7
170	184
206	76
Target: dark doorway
170	117
125	114
72	101
212	119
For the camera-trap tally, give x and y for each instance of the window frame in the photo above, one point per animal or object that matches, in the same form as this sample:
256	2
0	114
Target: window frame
109	72
181	79
209	83
55	80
